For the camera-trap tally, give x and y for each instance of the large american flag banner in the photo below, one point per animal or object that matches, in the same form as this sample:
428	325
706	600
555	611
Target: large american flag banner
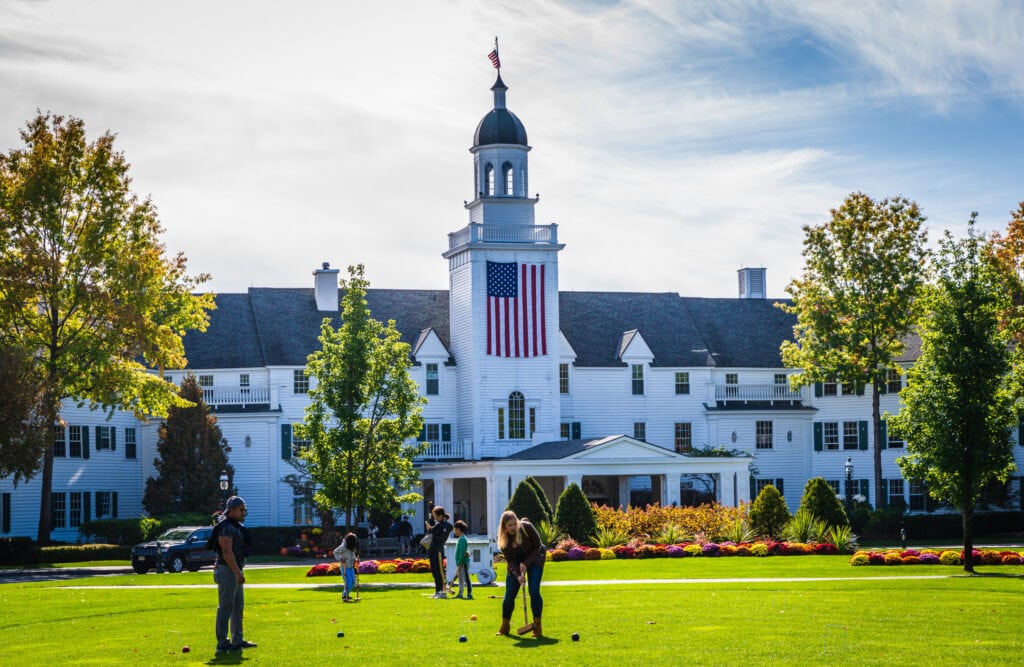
515	310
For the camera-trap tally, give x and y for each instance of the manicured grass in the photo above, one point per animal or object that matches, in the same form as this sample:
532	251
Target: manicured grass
952	620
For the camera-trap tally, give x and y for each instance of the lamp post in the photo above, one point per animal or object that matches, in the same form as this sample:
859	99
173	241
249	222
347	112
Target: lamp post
848	466
224	484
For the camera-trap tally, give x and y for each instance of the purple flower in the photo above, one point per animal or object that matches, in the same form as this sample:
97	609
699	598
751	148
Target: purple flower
575	553
929	559
710	549
675	552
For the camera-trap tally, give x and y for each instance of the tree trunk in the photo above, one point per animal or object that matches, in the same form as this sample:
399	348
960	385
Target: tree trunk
881	495
968	522
53	417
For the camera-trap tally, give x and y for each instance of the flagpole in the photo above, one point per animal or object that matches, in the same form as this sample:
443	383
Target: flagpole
497	54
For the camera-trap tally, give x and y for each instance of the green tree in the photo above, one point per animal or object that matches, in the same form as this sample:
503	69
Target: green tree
24	429
820	501
85	282
526	504
364	411
574	515
769	513
549	511
191	455
958	408
856	299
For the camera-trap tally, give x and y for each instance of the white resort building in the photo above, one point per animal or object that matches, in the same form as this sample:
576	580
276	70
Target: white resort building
608	390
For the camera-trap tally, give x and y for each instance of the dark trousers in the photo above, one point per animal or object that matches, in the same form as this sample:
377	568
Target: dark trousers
230	602
437	568
533	577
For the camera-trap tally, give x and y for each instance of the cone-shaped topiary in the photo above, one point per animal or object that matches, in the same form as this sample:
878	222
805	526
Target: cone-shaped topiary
526	504
549	511
820	500
574	516
769	513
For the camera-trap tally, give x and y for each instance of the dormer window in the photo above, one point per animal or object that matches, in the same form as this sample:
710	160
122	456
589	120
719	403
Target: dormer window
508	177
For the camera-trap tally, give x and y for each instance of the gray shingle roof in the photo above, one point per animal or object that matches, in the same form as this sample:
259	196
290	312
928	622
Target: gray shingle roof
280	327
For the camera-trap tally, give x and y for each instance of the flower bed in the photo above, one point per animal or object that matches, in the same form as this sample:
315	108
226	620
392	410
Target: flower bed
934	557
400	566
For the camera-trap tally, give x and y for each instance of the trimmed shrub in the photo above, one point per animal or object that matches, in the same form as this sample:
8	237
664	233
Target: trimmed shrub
122	531
79	553
526	504
15	550
549	511
607	554
820	501
769	513
950	558
575	516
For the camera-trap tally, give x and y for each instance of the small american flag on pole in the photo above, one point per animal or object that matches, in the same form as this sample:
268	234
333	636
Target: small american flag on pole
493	55
515	310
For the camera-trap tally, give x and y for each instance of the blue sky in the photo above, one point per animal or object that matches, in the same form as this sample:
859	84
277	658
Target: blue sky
673	142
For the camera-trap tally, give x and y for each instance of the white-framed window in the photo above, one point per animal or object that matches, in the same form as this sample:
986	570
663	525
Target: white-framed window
830	387
763	434
58	510
130	443
637	375
834	485
299	445
59	446
489	180
830	435
501	423
732	381
533	421
564	430
508	178
432	432
851	435
102	437
893	437
781	384
683	437
300	381
302	509
759	485
682	382
75	441
103	505
206	384
75	506
243	384
433	380
915	491
640	430
893	381
516	416
563	378
895	491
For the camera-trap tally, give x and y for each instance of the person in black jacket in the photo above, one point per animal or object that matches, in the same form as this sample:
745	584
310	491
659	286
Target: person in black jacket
524	554
440	529
405	536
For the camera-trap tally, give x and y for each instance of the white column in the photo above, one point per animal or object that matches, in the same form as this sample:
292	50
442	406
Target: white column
670	489
623	490
727	491
574	479
444	493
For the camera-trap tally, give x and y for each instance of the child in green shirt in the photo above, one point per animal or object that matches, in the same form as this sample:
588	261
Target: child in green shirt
462	560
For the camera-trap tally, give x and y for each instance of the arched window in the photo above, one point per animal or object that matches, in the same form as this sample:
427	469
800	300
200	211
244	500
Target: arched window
522	182
508	178
516	416
489	180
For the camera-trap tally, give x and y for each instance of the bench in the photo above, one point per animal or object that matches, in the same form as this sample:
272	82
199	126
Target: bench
379	546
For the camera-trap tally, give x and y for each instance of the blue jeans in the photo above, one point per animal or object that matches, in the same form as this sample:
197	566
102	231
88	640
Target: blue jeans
350	580
230	602
533	577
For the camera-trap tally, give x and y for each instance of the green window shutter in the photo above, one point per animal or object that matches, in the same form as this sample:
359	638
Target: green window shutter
446	432
85	442
1020	437
286	441
778	485
862	435
113	504
865	488
113	438
86	506
97	438
819	437
885	435
819	389
753	488
883	386
576	430
5	513
859	388
422	437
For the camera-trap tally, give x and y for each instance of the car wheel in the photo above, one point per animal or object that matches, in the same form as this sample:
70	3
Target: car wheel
177	563
140	568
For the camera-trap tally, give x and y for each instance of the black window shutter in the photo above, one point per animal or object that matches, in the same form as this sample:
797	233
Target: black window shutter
97	438
778	485
86	506
113	438
446	432
819	437
85	442
1020	437
862	435
113	504
819	389
286	441
423	434
576	430
885	435
5	510
865	488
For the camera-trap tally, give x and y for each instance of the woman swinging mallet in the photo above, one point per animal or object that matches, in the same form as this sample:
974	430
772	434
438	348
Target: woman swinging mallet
524	554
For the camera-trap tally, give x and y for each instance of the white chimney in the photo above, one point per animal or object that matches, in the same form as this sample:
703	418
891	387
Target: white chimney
753	284
325	286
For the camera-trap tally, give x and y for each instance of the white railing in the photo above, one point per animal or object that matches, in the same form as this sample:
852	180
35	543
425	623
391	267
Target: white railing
475	232
236	396
755	392
442	451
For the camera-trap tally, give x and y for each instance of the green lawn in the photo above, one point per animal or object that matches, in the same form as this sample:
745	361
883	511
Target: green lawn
955	619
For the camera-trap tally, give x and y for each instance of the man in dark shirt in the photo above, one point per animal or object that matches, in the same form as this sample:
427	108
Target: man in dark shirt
231	550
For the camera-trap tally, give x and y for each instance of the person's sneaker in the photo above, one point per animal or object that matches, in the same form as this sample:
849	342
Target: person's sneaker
242	644
469	597
224	647
441	595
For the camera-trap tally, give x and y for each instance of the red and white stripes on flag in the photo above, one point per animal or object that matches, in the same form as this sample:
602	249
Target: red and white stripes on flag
493	55
515	310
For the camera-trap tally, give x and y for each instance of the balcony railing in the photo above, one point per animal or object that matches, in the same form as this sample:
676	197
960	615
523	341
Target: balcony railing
443	451
241	396
755	392
476	232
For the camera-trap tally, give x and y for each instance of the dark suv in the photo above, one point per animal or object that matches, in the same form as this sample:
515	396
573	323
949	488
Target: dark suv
180	548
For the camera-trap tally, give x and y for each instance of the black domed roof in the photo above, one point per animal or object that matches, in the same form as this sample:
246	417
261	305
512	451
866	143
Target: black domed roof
500	126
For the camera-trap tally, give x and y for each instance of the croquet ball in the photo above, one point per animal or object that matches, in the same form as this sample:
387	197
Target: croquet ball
472	617
462	638
185	649
341	634
575	636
